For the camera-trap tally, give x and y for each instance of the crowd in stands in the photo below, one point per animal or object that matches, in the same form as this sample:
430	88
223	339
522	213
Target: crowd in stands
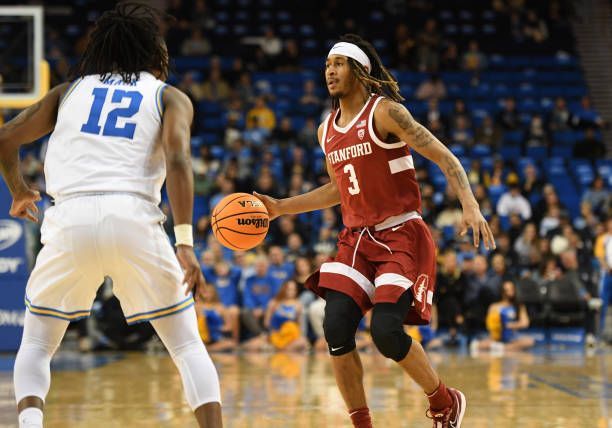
259	101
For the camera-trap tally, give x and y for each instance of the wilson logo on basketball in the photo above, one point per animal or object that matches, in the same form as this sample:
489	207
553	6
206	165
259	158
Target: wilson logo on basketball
257	222
243	204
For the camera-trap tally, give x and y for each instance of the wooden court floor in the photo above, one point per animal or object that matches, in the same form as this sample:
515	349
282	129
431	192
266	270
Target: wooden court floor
563	389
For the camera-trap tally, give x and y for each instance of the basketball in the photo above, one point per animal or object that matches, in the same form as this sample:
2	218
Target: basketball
240	221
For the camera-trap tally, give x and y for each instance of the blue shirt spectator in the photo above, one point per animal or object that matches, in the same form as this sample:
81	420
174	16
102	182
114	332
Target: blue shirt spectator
279	269
260	288
226	279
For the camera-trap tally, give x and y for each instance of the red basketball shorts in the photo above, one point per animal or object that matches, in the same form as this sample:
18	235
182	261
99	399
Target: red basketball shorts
379	266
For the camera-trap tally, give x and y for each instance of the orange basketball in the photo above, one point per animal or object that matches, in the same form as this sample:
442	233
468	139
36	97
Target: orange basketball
240	221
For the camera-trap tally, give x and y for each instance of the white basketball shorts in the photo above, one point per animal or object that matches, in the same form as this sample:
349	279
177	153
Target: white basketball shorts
118	235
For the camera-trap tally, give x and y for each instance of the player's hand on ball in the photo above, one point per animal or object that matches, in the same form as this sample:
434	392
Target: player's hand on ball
272	205
24	205
189	263
472	218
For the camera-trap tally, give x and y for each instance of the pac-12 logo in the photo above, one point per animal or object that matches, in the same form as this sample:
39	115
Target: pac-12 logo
10	232
251	203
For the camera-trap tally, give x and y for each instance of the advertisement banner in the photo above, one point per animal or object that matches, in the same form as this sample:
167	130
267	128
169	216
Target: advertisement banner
13	274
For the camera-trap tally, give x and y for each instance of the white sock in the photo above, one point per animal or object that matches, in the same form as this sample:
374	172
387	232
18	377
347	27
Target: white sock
31	417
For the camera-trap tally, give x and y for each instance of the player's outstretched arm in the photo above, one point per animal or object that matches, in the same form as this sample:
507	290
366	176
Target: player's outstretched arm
31	124
322	197
176	140
394	118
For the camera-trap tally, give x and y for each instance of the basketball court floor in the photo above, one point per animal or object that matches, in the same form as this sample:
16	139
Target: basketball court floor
108	390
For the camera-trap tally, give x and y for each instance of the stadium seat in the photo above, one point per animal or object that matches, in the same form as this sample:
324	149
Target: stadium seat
533	297
566	305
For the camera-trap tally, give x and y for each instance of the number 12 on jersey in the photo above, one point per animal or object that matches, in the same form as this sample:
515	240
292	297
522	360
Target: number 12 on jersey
92	126
354	188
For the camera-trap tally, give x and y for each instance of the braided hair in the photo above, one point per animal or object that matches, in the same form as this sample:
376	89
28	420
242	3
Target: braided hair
125	40
379	81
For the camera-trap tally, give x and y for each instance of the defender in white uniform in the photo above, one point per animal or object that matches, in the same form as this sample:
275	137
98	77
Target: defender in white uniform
118	130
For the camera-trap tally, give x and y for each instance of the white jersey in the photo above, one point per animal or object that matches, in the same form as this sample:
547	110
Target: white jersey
108	139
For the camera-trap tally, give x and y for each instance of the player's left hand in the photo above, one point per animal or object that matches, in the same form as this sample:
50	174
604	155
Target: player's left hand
189	263
24	205
472	218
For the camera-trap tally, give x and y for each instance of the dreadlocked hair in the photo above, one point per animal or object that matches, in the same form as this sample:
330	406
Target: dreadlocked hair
125	40
379	81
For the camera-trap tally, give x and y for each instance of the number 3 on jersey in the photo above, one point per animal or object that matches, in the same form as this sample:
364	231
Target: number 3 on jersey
354	188
92	126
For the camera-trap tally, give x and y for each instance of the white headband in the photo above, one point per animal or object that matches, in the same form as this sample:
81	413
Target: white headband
352	51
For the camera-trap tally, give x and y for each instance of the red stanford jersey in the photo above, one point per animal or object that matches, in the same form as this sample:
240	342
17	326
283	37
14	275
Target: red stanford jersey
376	179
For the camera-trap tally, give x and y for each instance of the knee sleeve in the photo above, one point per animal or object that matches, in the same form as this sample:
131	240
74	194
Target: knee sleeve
179	333
342	316
387	328
32	373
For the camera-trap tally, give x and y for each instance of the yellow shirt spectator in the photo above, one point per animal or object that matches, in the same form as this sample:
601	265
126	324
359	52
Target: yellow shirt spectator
261	116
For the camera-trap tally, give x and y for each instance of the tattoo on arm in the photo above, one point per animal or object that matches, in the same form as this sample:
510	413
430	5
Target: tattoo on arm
453	169
420	135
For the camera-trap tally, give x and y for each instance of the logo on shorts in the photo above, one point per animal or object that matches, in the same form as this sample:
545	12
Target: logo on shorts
361	133
10	232
421	285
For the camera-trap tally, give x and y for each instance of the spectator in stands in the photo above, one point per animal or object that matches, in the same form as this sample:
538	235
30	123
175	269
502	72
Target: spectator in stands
189	85
196	44
226	279
201	17
215	89
462	134
549	199
499	269
450	58
279	269
436	127
244	88
218	325
585	289
526	246
587	222
504	318
480	292
310	103
474	60
261	116
460	112
489	133
225	186
508	118
591	147
405	47
560	118
308	134
284	135
532	185
450	214
431	88
282	320
512	202
551	220
450	286
587	116
535	29
536	134
428	47
258	290
603	252
289	60
598	196
271	44
295	247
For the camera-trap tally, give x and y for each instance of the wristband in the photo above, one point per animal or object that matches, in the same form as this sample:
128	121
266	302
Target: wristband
184	234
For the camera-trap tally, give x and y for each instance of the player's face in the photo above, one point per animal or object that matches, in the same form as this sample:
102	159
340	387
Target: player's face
338	76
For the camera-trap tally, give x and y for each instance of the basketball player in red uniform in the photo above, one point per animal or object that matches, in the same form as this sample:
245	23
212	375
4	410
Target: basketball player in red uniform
386	255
